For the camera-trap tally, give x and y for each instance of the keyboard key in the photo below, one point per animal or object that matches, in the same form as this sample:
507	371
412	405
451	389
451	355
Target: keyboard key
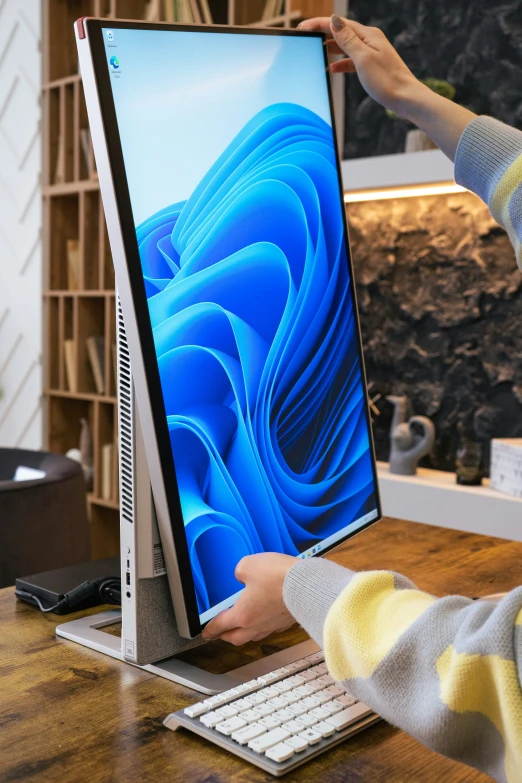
326	679
293	727
306	690
255	698
281	752
333	707
269	740
271	692
278	703
297	666
307	675
315	657
270	722
307	720
241	705
214	701
297	709
282	672
310	702
252	685
243	736
336	690
346	700
323	697
292	681
230	695
324	729
311	736
264	709
227	712
297	743
291	698
347	716
265	679
320	669
251	716
195	710
319	713
284	715
282	687
315	686
230	726
211	720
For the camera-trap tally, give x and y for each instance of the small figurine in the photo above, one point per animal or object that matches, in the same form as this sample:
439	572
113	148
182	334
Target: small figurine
469	466
407	447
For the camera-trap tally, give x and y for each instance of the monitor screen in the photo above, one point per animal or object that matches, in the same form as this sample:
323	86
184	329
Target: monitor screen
233	179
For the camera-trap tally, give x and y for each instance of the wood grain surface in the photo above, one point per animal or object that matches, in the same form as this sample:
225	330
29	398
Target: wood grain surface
71	715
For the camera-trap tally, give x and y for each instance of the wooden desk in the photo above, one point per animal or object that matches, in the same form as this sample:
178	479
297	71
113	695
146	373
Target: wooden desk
71	715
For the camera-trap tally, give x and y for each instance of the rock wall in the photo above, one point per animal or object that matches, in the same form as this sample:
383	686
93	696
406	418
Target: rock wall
476	46
440	298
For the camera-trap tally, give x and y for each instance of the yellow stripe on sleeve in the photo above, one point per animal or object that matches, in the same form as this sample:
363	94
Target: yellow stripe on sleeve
499	206
365	622
489	685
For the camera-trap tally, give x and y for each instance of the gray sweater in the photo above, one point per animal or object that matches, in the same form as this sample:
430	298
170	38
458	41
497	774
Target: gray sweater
448	671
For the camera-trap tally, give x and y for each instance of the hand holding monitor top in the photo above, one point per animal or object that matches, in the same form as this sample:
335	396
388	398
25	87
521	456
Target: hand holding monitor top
389	81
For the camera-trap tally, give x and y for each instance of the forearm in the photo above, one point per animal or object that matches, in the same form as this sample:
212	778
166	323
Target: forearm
446	671
441	119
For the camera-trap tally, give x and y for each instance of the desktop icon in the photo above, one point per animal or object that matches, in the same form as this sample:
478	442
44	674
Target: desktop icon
313	550
114	63
110	36
319	548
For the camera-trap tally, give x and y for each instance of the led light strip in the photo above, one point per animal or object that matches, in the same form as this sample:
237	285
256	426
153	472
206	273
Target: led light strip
424	190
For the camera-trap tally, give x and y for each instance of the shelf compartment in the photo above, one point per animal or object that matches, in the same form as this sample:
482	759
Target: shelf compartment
105	530
90	323
62	226
64	417
89	239
105	486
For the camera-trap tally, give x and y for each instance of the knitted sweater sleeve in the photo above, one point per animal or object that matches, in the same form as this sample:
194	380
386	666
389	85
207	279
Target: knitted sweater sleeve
448	671
489	163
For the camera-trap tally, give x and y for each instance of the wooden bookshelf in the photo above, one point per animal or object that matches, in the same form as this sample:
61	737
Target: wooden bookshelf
74	227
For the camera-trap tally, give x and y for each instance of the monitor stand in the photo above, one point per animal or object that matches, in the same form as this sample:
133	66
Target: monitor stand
86	631
149	637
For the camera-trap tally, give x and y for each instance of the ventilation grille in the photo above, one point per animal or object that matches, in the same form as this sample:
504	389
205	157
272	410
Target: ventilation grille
125	422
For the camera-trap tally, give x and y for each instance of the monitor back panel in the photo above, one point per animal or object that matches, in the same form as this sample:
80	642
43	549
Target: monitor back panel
149	630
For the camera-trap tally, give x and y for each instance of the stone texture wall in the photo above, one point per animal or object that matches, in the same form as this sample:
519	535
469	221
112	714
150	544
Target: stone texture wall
477	46
440	298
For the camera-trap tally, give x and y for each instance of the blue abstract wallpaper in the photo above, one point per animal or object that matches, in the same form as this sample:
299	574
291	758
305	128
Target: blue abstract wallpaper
249	298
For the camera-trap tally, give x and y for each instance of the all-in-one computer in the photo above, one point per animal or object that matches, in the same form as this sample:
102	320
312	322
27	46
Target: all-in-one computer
221	187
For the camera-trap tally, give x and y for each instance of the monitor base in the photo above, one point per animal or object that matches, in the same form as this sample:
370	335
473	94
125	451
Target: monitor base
86	631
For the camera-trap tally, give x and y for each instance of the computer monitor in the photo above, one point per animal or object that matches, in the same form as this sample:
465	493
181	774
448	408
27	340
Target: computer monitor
221	187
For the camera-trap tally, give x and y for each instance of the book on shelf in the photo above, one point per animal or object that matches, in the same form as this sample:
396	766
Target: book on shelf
73	264
88	154
59	169
107	457
152	11
273	8
70	369
96	352
184	11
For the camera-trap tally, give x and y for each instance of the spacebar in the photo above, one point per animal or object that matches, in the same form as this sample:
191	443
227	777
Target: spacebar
343	719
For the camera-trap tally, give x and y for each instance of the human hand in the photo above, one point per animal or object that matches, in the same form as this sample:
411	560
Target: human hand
381	71
259	610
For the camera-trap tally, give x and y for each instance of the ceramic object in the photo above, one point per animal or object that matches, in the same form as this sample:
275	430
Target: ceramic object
408	447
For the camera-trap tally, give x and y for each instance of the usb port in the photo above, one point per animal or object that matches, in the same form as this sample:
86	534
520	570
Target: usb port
127	578
128	563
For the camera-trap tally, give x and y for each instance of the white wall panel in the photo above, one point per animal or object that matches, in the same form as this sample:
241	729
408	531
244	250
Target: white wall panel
20	224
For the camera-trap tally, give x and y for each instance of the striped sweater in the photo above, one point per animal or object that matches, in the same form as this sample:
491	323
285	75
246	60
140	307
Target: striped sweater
448	671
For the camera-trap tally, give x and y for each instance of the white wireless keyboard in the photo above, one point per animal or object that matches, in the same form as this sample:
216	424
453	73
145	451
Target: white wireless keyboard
282	719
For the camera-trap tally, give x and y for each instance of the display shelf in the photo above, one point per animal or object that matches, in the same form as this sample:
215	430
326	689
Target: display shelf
408	169
435	498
